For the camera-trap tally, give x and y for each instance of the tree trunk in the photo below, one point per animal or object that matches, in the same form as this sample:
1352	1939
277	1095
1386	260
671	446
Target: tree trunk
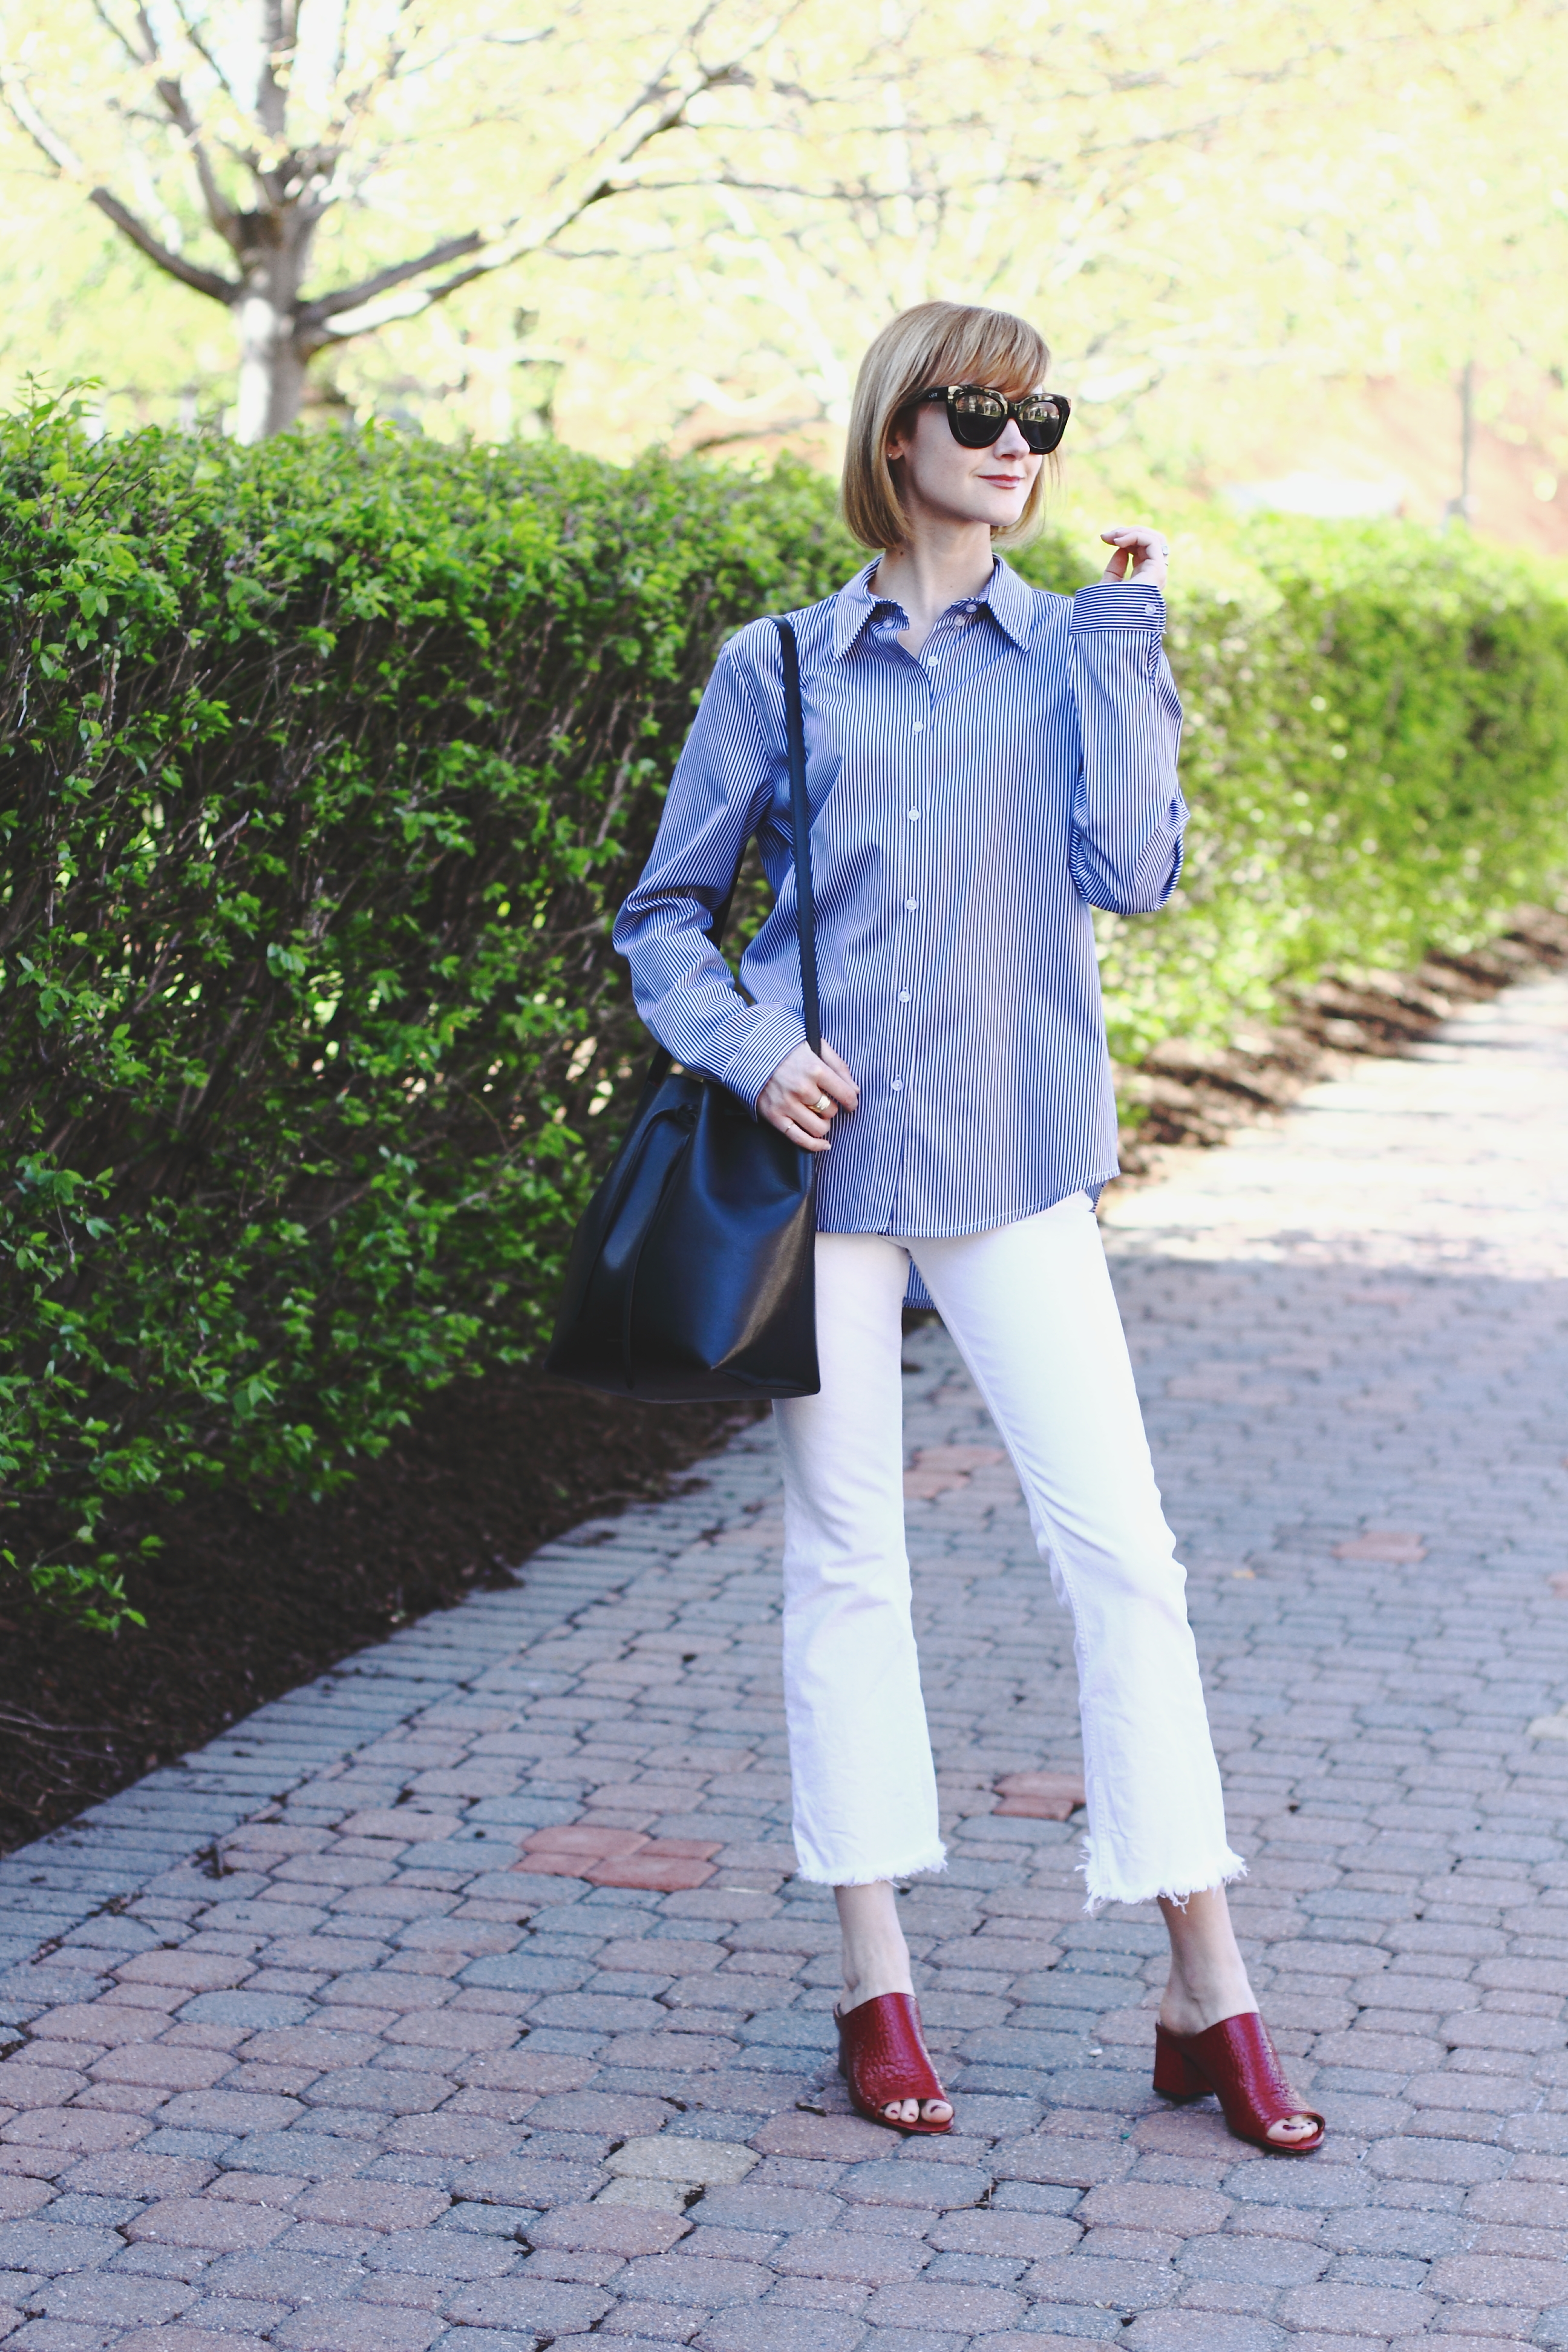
273	257
271	370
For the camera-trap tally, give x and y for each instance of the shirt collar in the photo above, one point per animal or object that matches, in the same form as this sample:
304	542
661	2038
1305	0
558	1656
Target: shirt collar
1005	596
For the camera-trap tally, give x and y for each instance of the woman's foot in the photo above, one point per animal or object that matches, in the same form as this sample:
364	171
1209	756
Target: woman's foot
877	1961
1208	1983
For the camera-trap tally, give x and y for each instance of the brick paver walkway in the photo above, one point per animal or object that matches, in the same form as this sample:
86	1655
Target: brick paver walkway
304	2057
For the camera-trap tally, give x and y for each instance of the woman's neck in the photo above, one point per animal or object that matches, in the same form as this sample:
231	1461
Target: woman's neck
936	569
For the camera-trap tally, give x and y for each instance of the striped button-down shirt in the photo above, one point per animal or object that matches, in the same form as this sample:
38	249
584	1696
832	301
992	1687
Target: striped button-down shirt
969	806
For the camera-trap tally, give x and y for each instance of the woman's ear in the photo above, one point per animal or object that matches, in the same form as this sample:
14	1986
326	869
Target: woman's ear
901	435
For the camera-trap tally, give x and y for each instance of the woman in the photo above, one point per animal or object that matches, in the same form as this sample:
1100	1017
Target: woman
985	763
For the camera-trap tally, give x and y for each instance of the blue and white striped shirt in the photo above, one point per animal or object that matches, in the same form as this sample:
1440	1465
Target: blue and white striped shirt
969	807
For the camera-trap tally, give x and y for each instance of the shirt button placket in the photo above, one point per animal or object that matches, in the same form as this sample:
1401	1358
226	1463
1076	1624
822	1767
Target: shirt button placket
916	903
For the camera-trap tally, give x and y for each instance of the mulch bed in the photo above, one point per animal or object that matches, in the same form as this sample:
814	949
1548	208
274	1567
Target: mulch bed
242	1605
1187	1094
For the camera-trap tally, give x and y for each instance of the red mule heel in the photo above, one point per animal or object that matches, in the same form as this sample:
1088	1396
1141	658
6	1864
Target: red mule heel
883	2058
1176	2077
1238	2063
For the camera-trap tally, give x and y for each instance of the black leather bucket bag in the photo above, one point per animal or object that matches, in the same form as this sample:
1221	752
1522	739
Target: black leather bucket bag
692	1275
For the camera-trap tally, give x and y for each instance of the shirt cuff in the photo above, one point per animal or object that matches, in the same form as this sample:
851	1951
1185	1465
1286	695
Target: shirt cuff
1119	604
770	1034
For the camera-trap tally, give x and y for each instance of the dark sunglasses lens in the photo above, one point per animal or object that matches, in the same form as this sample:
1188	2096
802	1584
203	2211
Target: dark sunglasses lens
976	418
1042	423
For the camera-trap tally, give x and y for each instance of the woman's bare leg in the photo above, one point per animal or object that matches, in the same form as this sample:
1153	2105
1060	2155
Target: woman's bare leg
877	1961
1208	1981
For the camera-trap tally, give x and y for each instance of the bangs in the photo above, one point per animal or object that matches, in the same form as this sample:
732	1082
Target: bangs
991	347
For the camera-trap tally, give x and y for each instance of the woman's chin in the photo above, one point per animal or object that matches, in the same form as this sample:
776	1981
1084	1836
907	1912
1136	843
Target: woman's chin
996	514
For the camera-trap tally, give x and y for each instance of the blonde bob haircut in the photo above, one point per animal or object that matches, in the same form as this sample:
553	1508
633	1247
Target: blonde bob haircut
936	343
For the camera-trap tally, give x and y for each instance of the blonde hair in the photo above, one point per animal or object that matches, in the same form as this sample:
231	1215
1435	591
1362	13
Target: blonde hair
936	343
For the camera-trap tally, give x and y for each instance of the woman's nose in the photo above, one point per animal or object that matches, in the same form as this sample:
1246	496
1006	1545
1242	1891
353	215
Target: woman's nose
1010	442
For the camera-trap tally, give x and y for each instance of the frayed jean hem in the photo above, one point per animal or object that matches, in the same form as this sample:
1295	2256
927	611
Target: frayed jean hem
1231	1866
929	1862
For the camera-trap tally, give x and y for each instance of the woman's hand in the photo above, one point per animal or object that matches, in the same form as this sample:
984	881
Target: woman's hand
803	1080
1141	555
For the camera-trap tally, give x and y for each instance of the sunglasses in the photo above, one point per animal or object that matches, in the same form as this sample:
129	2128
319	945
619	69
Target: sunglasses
977	415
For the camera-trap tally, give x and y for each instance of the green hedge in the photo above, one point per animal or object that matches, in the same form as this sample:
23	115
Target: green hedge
327	762
326	765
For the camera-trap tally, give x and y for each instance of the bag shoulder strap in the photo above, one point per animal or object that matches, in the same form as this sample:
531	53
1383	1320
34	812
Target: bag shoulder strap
800	823
800	829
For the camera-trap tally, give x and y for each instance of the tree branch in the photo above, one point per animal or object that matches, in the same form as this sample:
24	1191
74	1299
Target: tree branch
60	154
69	165
280	32
115	34
499	249
171	91
174	265
350	107
193	34
149	58
397	273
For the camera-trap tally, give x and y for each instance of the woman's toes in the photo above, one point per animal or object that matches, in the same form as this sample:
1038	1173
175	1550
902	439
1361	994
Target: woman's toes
1291	2128
917	2111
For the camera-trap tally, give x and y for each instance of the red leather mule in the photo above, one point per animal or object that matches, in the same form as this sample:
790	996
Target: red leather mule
1238	2063
883	2058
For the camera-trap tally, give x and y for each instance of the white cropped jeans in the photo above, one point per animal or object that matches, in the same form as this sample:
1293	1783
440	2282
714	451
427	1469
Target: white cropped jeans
1031	1310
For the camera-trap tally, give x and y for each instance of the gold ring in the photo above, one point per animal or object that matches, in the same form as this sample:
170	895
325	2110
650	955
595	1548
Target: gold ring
822	1105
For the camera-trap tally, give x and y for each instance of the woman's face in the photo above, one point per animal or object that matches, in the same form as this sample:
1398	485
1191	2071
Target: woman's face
939	480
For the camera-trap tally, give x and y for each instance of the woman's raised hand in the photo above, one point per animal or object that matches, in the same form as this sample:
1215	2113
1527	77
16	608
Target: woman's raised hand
1139	554
805	1094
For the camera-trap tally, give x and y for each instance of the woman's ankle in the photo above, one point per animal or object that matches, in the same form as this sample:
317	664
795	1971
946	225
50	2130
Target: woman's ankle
1183	2011
867	1976
876	1956
1209	1978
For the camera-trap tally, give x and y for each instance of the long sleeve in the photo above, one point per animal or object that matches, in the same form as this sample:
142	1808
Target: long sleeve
1128	810
683	987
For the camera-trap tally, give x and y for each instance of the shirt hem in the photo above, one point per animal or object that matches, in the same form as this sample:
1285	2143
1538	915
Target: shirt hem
984	1223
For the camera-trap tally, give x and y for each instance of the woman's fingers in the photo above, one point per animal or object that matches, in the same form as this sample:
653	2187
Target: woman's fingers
791	1121
789	1102
805	1093
814	1121
1140	553
816	1094
1136	540
791	1118
845	1092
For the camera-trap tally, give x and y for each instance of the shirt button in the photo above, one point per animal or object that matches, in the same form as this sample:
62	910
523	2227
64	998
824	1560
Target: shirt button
919	727
897	1085
911	904
913	814
1149	608
903	996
